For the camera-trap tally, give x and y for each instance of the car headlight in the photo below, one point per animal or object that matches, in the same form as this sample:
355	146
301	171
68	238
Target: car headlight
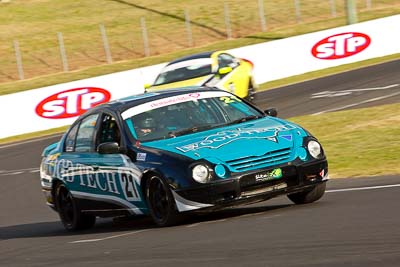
314	148
201	173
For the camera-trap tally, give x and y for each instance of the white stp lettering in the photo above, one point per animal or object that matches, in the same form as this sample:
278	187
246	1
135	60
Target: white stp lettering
341	45
71	103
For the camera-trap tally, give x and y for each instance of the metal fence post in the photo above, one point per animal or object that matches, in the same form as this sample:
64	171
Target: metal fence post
298	11
188	28
333	8
62	51
227	21
262	15
145	37
105	44
368	3
19	61
351	11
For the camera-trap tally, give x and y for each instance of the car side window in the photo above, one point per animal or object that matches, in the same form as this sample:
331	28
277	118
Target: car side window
70	139
109	130
225	60
85	137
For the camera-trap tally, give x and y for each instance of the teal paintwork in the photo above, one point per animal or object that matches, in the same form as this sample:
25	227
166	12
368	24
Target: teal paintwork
248	139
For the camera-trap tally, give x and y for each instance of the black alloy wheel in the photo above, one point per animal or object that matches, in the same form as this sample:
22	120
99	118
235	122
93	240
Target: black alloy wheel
161	202
71	217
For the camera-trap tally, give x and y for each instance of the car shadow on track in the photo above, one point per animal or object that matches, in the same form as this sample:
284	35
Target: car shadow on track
122	224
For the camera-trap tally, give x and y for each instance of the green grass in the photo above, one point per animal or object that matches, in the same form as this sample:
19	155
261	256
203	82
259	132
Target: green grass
359	142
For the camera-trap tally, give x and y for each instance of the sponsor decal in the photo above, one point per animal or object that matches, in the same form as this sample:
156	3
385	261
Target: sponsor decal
71	103
141	156
222	138
170	101
176	99
287	137
123	182
341	45
271	175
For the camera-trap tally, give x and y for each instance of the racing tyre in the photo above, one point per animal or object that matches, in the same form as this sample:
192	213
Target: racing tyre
308	196
71	216
251	93
161	202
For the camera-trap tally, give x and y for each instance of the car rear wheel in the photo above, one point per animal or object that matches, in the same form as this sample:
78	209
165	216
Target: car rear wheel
161	202
308	196
71	217
251	92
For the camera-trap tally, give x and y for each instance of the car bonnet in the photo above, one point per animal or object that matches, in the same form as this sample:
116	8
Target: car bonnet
268	140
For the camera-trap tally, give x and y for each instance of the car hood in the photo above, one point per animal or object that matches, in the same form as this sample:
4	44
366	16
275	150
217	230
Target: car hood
266	141
199	81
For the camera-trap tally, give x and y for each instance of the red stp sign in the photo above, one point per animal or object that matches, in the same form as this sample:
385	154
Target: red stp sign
341	45
71	103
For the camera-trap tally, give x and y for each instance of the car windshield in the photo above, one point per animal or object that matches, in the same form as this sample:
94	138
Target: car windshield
186	114
184	70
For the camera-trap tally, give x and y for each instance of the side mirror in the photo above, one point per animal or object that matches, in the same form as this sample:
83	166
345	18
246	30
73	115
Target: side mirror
108	148
271	112
147	85
224	70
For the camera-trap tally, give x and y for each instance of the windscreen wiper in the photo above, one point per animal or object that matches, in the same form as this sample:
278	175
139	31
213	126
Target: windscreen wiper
244	119
193	129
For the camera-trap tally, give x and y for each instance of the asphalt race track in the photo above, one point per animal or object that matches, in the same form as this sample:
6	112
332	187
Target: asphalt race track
356	223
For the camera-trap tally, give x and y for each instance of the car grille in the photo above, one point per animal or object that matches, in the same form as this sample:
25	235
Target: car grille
255	162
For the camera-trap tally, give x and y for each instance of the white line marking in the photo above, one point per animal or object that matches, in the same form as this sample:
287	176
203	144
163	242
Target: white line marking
270	217
31	141
192	225
106	238
356	104
11	173
348	92
205	222
362	188
14	172
214	221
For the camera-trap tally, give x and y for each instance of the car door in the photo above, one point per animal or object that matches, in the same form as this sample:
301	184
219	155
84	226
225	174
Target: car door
235	81
105	181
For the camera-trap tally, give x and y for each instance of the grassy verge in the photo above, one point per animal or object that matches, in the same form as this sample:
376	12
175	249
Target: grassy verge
27	136
360	142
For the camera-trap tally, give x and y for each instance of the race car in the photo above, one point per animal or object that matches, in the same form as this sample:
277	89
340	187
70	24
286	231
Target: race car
217	69
173	152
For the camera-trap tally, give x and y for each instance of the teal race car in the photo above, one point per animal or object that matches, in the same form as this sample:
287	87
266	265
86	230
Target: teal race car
177	151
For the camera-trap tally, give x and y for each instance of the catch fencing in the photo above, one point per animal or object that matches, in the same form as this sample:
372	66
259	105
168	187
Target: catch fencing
158	30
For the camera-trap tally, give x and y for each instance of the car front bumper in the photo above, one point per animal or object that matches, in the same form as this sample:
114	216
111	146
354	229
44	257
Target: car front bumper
245	189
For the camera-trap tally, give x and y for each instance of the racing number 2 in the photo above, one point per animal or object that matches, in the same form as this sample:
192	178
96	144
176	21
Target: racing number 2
229	99
129	188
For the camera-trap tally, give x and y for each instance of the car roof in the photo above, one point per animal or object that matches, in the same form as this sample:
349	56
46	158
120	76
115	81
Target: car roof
193	56
123	104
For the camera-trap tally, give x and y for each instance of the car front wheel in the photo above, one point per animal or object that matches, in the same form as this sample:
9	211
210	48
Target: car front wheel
161	202
308	196
71	217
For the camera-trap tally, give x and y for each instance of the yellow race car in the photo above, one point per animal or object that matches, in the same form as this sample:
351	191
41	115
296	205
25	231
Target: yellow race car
214	69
